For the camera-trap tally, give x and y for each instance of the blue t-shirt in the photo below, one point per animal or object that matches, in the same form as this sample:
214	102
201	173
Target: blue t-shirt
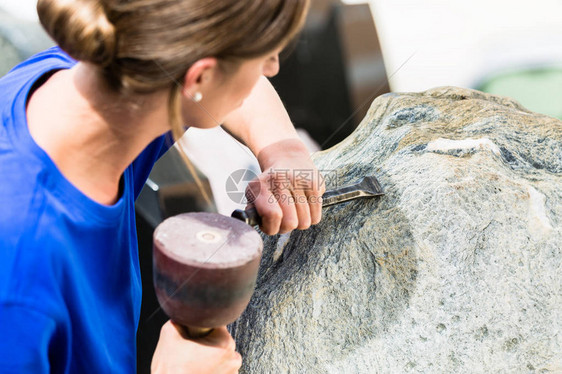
70	287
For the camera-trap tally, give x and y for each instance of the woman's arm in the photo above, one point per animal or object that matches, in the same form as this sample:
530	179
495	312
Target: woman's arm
287	193
261	120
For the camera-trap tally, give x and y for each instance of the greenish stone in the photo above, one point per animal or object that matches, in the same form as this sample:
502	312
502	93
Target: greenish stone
457	269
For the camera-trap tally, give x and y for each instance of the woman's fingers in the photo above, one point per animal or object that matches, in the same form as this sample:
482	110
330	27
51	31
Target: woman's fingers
286	202
214	353
302	209
266	204
314	198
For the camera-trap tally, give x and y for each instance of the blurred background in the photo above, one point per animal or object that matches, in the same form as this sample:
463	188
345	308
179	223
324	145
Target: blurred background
349	53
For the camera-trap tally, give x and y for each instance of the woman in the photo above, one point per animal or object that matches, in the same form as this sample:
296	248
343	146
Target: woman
80	132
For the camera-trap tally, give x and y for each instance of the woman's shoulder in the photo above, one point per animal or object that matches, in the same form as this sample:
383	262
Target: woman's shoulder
21	79
52	57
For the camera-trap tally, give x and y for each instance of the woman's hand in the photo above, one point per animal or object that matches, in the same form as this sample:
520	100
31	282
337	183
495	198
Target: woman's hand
212	354
288	193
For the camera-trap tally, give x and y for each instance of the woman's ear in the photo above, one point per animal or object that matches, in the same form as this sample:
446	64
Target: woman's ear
198	75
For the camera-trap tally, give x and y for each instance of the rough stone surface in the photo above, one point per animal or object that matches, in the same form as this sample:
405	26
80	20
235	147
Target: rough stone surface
457	269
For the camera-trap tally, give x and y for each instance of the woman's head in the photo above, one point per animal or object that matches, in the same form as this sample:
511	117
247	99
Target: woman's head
147	45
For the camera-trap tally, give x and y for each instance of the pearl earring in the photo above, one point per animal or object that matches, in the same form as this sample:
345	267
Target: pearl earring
197	96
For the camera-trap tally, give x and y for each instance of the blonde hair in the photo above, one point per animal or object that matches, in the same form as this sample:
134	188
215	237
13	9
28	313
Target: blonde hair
142	46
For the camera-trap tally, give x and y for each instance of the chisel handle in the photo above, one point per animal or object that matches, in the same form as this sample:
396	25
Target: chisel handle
367	187
250	216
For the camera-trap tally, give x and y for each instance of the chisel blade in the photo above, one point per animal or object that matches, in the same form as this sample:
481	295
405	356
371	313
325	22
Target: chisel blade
366	187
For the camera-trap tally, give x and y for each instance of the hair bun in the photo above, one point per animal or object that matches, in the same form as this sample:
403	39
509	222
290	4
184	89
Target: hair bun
81	28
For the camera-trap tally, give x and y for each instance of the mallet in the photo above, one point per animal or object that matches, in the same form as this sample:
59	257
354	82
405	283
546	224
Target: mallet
205	269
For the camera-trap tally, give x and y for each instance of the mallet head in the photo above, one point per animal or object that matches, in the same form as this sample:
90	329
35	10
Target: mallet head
205	268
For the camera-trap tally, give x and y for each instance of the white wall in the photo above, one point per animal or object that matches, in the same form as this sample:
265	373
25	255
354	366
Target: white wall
458	42
24	9
447	42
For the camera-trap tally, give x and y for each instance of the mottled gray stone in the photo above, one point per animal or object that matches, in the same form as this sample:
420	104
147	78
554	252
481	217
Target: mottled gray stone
457	269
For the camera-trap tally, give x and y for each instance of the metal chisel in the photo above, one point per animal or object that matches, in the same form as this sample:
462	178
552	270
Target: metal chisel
366	187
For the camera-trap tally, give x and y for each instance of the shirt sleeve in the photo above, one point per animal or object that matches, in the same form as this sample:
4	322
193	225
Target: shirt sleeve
25	337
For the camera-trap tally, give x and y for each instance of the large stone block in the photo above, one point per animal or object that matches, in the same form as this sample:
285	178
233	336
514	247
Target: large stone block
458	268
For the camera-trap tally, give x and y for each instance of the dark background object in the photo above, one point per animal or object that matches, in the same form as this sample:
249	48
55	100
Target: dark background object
334	71
327	82
171	189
